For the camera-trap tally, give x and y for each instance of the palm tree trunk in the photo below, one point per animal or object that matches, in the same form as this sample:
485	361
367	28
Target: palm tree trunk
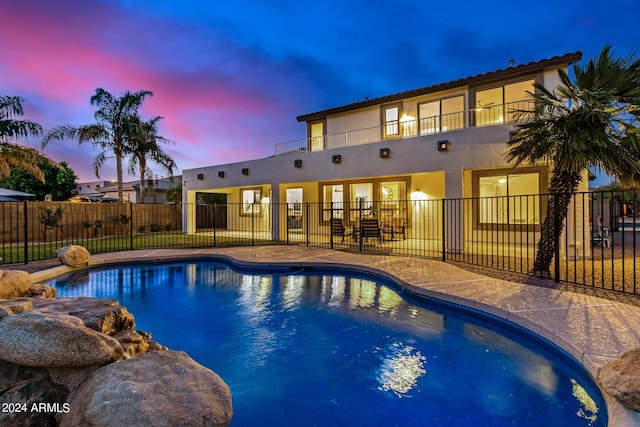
118	156
562	187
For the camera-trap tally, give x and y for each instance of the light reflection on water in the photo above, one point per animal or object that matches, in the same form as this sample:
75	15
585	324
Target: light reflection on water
400	369
330	347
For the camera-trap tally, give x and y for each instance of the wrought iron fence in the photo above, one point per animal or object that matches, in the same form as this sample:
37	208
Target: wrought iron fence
597	246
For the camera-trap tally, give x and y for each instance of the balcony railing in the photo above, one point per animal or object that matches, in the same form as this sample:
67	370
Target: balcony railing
481	116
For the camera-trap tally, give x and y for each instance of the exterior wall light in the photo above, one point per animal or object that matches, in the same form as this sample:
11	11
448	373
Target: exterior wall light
337	158
245	171
220	174
297	163
385	153
443	145
200	176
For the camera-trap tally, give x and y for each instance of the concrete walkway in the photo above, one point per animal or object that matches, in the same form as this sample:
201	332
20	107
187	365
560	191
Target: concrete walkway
594	330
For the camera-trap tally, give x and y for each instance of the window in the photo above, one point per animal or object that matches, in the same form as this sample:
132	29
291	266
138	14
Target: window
251	201
442	115
498	105
316	141
452	110
333	196
508	197
361	196
393	196
429	113
294	208
350	200
391	121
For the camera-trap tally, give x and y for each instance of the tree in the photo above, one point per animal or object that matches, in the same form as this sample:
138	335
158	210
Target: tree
113	120
12	154
143	147
591	122
174	194
59	180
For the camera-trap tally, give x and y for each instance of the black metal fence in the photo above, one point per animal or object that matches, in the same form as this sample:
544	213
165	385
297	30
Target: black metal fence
596	248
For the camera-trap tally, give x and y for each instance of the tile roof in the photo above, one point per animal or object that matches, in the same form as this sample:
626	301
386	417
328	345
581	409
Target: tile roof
499	74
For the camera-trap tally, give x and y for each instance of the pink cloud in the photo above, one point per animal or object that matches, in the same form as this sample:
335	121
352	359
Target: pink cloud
216	97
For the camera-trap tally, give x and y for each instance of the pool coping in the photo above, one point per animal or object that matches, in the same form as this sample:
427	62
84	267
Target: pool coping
592	329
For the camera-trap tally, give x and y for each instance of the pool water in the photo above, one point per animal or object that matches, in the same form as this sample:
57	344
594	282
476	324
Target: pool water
325	348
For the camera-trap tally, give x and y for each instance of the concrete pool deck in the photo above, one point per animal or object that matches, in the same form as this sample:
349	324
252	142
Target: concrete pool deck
592	329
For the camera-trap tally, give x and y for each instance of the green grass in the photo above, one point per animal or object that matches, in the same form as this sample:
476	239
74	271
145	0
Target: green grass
12	254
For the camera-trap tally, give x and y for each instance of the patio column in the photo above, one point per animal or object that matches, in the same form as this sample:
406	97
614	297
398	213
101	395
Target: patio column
275	211
455	211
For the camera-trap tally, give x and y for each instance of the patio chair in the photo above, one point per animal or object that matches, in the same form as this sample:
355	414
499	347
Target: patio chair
370	228
338	229
394	227
601	238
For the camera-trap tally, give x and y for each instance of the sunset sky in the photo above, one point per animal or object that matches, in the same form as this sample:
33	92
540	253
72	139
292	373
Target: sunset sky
229	78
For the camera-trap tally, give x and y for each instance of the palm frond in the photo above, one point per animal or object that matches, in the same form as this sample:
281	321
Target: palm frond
585	122
17	156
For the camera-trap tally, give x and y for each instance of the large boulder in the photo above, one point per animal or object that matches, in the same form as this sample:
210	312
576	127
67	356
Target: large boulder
100	314
73	256
27	386
14	284
15	306
133	343
45	340
165	388
44	291
621	379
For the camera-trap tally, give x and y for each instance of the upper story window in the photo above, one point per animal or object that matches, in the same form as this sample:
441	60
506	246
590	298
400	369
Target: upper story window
391	117
442	115
316	137
499	104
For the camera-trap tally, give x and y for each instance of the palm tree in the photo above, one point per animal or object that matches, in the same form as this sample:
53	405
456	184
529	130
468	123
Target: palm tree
11	154
113	118
143	147
591	122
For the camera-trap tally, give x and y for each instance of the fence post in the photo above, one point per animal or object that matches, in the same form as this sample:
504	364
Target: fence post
444	230
286	223
360	222
215	214
131	226
331	227
556	238
253	215
306	220
26	233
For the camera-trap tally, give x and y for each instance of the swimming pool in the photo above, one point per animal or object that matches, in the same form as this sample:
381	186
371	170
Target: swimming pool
320	347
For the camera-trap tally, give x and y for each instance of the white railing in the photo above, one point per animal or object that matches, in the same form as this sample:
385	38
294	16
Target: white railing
486	116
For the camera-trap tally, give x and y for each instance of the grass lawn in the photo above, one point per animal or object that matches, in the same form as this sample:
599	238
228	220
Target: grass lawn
38	251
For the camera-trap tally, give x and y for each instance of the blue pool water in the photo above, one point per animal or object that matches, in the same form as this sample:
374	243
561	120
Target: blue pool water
325	348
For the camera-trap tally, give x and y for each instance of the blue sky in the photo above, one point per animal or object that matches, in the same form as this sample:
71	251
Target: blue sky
229	78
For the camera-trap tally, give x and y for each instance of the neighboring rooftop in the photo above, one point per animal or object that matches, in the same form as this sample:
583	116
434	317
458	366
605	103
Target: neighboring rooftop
7	195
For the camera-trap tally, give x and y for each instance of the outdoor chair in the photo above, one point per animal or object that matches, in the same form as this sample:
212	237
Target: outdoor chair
601	238
370	228
394	227
338	229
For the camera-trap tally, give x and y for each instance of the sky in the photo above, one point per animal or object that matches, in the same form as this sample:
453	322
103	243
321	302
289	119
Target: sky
229	78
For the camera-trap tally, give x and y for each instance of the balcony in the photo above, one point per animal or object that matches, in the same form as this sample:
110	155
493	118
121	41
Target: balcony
409	128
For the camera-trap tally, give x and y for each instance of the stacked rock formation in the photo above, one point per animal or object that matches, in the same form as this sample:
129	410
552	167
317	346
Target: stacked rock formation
80	361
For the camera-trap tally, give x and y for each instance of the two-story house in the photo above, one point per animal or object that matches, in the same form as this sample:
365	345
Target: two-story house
394	154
